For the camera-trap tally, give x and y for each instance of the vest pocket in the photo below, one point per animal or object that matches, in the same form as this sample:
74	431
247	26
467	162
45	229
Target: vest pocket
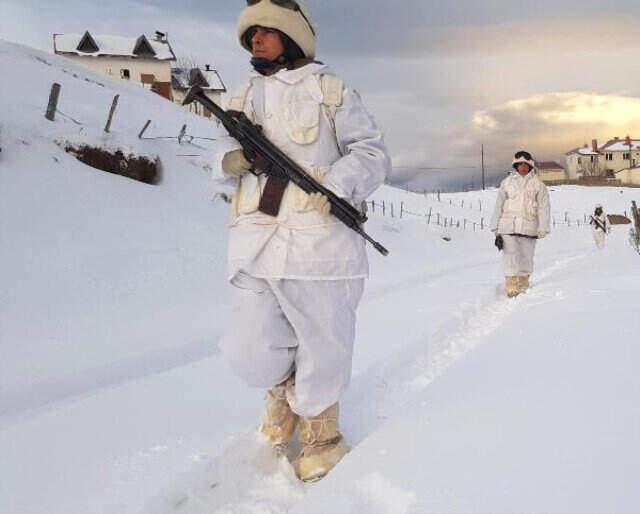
302	120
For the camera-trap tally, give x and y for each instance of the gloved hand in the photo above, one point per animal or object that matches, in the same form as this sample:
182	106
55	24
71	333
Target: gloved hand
499	242
541	234
320	203
235	164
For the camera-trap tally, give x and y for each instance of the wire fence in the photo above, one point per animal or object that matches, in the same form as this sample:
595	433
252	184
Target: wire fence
398	210
183	137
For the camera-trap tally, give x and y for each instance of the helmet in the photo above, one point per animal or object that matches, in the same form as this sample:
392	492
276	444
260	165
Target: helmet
288	16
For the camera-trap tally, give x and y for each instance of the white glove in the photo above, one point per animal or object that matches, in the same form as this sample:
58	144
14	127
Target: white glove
235	164
320	203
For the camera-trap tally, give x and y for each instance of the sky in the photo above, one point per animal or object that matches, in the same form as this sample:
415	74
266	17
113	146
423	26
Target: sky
441	78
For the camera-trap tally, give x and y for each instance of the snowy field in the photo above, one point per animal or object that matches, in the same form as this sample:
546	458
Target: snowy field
114	399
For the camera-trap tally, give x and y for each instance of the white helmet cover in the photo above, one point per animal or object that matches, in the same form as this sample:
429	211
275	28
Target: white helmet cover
293	23
518	160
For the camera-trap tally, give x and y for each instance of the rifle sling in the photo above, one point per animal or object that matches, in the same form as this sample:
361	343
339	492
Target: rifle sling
272	195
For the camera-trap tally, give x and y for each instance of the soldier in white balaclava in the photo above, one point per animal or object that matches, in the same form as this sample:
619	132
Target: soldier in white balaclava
298	271
599	226
521	217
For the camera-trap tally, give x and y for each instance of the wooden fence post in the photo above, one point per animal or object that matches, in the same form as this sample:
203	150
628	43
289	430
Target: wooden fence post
183	131
429	216
401	209
114	104
52	106
146	125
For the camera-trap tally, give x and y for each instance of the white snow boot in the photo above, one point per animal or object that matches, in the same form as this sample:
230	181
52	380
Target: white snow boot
512	286
322	445
279	421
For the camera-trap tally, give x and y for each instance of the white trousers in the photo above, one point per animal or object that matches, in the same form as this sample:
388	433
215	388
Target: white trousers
304	326
599	237
518	255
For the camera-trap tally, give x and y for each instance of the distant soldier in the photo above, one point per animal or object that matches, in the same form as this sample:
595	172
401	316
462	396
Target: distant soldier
521	217
599	226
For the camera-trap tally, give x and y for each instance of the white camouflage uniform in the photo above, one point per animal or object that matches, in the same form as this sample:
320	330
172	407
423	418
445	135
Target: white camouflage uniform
299	276
600	235
521	216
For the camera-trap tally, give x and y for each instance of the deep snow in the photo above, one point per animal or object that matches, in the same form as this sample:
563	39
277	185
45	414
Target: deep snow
113	296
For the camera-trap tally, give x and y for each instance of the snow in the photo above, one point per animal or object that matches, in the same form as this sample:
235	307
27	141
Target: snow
114	398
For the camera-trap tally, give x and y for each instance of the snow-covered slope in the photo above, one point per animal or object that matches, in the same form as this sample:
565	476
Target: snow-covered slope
113	295
97	268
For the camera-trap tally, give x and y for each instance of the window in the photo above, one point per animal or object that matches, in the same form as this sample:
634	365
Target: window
579	160
125	74
609	157
626	156
592	158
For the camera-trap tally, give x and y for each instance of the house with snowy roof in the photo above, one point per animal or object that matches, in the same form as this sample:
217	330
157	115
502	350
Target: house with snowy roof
145	60
584	162
622	159
182	78
618	159
550	172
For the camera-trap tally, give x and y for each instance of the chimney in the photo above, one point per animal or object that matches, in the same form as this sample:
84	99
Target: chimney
160	36
616	138
628	140
594	145
586	145
207	68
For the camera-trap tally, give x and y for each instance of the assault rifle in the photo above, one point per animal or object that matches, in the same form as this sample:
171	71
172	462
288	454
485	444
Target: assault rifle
268	159
598	224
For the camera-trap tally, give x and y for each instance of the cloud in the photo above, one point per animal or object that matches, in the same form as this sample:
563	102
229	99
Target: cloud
551	124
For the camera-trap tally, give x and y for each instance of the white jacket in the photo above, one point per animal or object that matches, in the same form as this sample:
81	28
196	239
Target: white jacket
522	206
351	160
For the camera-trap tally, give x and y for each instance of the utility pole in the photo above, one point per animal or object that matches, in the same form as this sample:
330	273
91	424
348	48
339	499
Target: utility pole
482	156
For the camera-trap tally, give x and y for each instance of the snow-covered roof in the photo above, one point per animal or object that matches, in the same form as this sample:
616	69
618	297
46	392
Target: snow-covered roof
584	150
207	79
95	45
214	80
548	165
620	145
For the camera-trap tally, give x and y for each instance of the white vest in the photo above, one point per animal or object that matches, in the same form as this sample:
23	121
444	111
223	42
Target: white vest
326	130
